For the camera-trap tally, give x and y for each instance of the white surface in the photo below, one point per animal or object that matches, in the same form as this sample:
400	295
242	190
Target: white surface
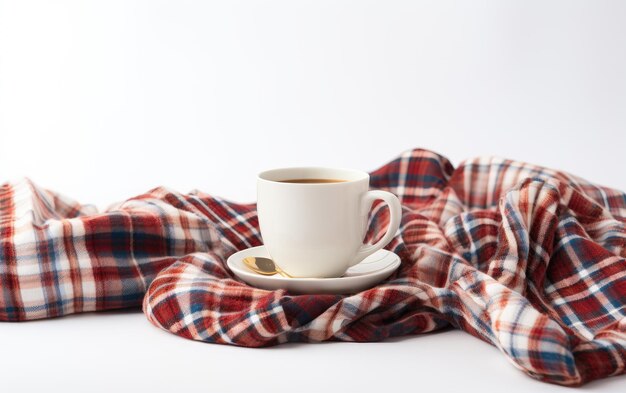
366	274
122	352
104	100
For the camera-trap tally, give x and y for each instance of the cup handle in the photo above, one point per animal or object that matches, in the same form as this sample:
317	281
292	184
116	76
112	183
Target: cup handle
395	215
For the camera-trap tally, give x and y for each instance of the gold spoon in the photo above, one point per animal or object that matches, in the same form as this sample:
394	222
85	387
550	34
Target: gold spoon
264	266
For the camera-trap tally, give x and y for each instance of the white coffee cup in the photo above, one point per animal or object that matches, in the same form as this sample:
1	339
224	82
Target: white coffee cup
317	229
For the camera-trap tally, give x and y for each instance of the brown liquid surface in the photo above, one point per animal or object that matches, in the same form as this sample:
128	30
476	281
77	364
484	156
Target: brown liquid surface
312	181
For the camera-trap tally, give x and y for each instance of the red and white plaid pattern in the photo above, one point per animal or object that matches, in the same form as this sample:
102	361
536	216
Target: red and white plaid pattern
528	259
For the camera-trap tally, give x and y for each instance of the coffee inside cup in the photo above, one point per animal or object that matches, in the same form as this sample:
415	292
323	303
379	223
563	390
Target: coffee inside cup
312	181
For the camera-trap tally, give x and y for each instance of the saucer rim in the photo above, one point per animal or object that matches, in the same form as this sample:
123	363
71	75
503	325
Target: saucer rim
276	277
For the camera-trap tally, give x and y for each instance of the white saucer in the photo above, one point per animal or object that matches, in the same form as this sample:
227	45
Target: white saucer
366	274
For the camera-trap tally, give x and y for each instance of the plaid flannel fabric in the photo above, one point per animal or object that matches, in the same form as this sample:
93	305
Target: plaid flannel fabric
528	259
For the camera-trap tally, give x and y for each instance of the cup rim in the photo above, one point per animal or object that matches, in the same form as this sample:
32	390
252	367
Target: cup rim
276	175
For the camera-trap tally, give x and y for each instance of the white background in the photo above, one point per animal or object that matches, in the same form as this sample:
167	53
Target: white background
103	100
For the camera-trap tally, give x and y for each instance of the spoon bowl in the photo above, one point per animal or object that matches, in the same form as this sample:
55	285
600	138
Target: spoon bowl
263	266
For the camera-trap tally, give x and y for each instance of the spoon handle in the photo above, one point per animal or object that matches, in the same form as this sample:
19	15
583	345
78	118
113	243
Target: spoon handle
282	273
